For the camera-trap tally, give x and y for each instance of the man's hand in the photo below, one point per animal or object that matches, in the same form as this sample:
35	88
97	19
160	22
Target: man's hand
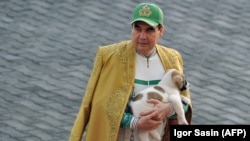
151	119
148	121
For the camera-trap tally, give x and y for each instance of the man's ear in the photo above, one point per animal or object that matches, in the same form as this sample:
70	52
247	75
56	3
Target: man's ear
161	31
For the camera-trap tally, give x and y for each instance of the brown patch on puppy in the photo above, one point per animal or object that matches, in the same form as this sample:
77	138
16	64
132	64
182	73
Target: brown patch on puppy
154	95
159	89
137	97
175	72
178	79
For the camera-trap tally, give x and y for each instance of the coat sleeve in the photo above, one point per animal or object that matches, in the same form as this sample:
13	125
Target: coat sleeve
82	117
186	93
173	59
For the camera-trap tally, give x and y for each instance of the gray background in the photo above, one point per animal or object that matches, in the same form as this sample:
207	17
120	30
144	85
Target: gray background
47	48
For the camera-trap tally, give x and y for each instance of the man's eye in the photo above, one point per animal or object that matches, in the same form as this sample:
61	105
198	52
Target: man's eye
151	29
137	28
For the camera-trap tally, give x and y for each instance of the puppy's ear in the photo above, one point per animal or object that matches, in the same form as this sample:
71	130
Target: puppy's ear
178	80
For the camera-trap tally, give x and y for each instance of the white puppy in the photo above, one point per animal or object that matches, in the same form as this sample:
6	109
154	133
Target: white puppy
168	90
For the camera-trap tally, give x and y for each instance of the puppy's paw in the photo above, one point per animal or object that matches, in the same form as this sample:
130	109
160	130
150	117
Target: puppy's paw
182	121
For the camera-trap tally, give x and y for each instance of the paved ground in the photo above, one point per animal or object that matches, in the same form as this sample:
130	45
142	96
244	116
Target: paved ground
47	50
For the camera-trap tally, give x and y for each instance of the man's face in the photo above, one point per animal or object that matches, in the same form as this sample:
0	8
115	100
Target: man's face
145	37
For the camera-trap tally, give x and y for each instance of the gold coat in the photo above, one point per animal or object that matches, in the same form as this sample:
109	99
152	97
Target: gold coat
109	88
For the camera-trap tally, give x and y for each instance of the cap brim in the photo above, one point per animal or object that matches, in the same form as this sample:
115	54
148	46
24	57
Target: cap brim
149	22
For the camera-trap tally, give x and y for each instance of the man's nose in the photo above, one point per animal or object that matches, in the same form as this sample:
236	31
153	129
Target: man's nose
143	35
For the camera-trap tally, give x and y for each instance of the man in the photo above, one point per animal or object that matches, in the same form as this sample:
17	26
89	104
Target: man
121	70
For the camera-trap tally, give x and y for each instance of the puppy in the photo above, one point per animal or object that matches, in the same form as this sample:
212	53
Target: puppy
168	90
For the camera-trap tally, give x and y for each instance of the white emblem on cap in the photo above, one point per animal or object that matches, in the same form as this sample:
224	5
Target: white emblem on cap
145	11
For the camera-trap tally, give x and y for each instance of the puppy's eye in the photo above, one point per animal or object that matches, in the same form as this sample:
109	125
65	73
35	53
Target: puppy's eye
185	82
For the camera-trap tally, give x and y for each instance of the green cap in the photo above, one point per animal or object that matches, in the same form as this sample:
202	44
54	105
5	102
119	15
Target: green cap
149	13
